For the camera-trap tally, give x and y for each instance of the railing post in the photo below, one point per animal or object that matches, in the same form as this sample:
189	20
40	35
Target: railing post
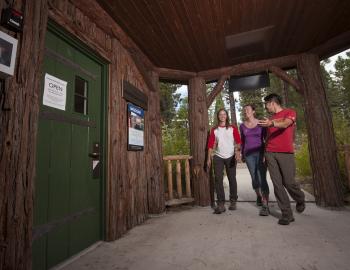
188	183
170	180
181	198
178	178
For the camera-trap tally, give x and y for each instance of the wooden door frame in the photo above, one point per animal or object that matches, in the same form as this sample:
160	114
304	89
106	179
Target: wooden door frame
82	47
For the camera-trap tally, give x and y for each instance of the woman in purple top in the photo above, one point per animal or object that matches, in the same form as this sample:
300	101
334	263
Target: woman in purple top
252	136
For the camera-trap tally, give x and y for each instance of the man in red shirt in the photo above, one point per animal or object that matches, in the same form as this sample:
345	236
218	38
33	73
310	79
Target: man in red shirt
279	155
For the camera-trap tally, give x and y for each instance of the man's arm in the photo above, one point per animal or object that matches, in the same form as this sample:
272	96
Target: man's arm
278	123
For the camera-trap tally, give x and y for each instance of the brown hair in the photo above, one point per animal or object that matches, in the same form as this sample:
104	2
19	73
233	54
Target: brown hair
227	124
250	105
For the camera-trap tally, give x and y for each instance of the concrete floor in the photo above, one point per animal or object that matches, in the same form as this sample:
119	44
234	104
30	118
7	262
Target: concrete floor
193	238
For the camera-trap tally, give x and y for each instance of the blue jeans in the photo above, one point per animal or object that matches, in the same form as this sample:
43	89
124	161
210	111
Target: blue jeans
257	170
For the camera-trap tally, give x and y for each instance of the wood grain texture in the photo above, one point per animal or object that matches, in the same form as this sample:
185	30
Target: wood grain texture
154	160
133	189
322	145
198	120
18	129
189	35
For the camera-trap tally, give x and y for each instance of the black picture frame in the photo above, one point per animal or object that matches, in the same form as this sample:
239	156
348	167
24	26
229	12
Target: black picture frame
136	127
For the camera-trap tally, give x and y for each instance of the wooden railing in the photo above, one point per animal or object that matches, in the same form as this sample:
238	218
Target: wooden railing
180	197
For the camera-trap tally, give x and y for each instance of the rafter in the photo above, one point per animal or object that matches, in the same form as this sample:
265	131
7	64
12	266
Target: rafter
250	67
280	73
217	89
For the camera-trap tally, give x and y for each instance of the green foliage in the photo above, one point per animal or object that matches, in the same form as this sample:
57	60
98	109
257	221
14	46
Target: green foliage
339	88
169	100
252	97
175	135
302	159
290	97
342	131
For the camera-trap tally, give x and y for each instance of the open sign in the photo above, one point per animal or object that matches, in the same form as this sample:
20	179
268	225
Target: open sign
55	92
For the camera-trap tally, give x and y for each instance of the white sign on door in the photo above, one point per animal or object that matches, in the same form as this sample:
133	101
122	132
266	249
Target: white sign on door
55	92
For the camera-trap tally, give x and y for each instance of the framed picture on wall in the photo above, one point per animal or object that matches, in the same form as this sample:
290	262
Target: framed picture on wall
136	127
8	51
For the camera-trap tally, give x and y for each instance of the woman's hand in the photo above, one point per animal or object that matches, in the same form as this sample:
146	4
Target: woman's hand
208	163
238	156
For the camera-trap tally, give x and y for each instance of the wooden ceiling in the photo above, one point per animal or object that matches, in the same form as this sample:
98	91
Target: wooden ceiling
198	35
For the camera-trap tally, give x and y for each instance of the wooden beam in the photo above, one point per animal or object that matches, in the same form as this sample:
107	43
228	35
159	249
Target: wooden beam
286	77
173	74
286	62
217	89
333	46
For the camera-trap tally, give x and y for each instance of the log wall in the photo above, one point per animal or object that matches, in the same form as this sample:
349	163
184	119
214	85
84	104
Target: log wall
133	189
18	128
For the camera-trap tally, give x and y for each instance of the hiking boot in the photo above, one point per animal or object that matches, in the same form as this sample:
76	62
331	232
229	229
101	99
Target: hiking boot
259	201
264	211
232	205
220	208
285	220
300	207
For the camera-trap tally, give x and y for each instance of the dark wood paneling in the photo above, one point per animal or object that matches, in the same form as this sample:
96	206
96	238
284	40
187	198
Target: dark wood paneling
189	35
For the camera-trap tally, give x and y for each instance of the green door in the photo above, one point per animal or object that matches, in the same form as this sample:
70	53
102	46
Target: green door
68	187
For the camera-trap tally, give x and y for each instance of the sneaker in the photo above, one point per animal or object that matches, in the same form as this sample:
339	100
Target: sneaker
300	207
264	211
232	206
259	201
220	208
285	220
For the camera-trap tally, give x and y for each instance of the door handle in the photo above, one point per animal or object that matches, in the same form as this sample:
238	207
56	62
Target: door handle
94	155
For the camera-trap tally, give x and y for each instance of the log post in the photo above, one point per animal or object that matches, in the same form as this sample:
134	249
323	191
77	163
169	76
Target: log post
155	183
188	181
178	179
18	130
170	180
322	145
198	119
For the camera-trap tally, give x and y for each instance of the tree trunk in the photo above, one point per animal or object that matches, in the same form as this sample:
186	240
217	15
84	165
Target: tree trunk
18	129
233	108
198	118
285	87
155	175
322	145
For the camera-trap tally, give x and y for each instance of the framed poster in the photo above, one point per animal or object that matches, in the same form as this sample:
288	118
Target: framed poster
136	127
8	51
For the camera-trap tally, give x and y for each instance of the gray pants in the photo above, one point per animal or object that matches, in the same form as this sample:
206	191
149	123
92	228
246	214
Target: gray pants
282	171
230	165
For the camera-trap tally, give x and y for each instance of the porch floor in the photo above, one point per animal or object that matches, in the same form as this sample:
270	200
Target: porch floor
193	238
